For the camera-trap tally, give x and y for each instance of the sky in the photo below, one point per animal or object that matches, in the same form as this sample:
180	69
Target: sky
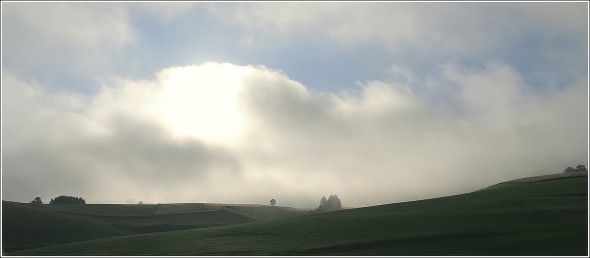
381	102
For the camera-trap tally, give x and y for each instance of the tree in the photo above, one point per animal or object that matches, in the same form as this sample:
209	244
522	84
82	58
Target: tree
323	202
333	203
579	168
273	202
569	170
37	200
67	200
140	203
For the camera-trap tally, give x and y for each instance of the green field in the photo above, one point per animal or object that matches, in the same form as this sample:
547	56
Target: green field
534	217
26	226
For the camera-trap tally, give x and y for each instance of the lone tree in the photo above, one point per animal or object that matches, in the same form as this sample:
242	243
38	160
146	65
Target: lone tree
37	200
273	202
333	203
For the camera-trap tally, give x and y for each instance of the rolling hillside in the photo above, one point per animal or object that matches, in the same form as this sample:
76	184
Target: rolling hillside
26	226
537	217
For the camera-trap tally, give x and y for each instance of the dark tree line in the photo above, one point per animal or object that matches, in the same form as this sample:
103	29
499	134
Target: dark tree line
67	200
333	203
579	168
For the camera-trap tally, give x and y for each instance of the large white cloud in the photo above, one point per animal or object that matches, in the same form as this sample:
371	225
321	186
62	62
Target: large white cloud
226	133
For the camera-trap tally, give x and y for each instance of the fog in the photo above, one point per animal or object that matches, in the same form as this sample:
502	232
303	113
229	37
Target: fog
226	133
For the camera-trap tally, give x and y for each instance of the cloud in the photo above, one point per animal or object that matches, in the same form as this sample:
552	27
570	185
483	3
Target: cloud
84	39
165	12
71	45
102	148
466	30
219	132
543	41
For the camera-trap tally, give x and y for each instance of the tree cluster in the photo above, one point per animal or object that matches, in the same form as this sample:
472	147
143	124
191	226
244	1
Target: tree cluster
331	204
579	168
67	200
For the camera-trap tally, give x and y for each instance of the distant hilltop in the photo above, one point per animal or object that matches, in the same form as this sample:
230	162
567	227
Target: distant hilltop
543	178
547	177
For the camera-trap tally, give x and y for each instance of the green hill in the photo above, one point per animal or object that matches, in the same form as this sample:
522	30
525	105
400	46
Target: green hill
547	217
26	226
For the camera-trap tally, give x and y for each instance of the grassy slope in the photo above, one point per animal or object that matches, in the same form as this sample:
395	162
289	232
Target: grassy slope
26	226
537	218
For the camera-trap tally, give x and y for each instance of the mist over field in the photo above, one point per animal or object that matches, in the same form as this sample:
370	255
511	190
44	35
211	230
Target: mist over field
245	102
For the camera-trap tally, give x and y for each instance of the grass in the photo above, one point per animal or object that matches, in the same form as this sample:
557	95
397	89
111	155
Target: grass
131	210
175	208
536	218
27	226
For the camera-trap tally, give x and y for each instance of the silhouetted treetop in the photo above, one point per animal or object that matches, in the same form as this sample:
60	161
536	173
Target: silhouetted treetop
62	199
331	204
579	168
37	200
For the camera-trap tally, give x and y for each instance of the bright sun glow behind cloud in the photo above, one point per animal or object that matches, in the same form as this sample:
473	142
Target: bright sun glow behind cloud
201	102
